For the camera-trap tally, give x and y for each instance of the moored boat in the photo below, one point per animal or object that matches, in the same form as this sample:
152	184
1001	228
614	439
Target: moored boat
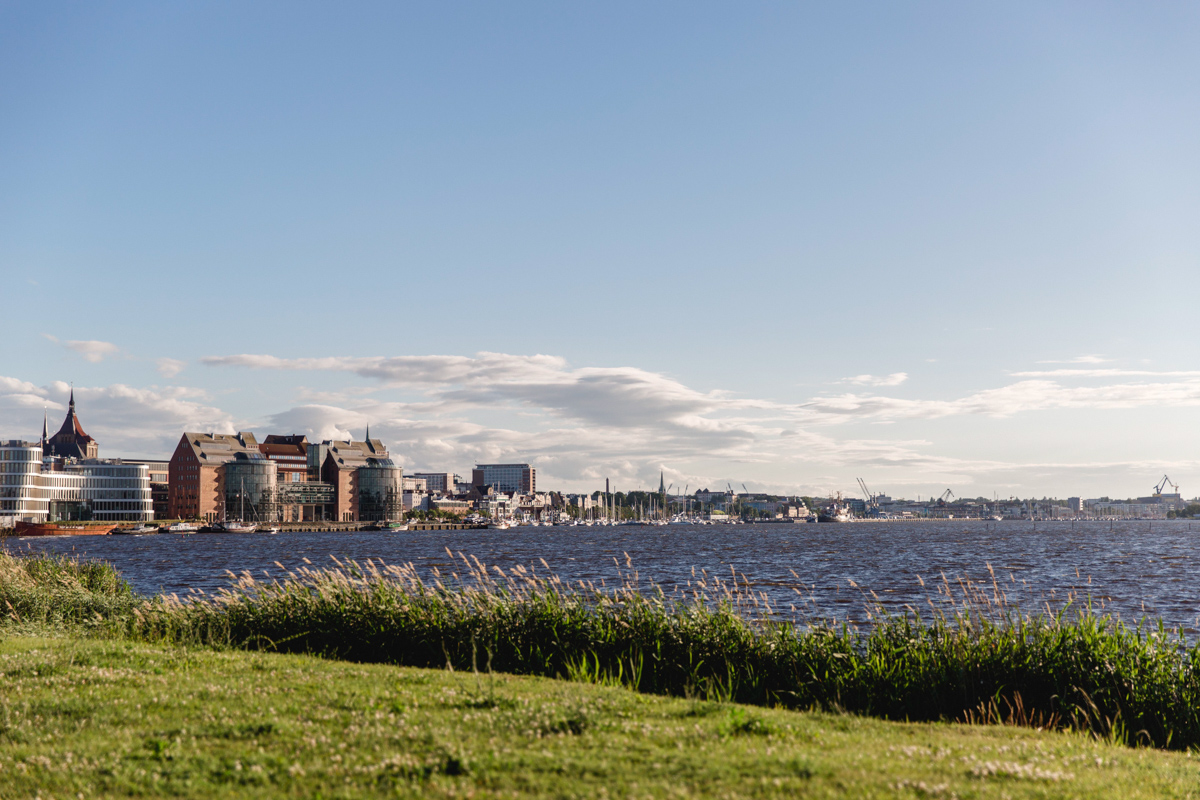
140	530
182	527
63	528
230	526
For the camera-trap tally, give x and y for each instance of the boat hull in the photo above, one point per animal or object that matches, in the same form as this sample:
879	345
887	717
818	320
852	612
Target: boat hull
60	529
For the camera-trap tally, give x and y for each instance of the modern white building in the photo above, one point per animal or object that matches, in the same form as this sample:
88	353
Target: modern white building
22	496
34	488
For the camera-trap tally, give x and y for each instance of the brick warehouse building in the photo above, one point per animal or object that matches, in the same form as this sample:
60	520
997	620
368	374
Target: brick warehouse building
197	487
285	479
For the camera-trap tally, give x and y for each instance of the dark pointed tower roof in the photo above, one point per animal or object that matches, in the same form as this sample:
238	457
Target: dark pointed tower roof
71	423
45	426
662	483
71	440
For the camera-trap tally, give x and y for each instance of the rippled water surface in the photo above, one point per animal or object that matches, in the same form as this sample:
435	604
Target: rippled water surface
1133	568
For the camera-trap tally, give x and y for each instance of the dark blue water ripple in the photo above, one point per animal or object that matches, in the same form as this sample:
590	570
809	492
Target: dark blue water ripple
1133	568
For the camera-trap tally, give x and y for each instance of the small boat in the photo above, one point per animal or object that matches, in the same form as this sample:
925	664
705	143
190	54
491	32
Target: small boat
182	527
235	527
273	529
140	530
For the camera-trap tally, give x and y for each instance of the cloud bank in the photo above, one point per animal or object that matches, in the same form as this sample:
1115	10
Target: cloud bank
579	425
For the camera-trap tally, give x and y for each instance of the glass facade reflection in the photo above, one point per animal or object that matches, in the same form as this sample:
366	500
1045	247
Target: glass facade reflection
251	489
380	491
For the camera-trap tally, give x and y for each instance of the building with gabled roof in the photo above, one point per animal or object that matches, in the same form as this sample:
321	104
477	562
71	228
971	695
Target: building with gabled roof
367	484
195	475
290	453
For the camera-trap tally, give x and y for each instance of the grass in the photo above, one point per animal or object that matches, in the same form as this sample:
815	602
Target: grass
976	659
52	591
85	717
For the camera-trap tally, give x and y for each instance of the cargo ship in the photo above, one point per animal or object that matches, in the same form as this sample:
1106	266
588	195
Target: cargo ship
63	529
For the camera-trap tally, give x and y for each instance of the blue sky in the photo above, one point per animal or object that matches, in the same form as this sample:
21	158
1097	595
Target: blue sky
931	245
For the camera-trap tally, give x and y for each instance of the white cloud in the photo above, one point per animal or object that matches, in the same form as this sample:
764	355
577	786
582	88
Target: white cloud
1093	359
895	379
1107	373
123	419
92	350
169	367
414	370
617	396
1020	397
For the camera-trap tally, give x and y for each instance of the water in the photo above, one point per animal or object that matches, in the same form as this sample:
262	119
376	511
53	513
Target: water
1134	569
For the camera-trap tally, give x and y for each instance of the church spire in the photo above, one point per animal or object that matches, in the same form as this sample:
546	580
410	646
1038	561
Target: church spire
662	483
72	405
45	426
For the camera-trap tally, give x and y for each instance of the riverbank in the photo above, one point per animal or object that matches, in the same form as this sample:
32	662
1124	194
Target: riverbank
91	717
976	660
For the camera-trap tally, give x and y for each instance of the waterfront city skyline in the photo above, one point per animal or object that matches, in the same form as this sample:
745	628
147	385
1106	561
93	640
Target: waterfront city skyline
932	247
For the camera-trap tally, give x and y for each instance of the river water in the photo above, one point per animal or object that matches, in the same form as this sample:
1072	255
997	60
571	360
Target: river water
1133	569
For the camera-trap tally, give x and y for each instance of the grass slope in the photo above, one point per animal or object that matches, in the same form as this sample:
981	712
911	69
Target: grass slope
84	717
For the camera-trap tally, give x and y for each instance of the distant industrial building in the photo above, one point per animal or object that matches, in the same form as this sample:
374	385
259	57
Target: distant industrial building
520	478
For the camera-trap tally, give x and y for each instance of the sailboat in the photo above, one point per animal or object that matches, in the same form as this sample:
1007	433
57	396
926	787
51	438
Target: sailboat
228	526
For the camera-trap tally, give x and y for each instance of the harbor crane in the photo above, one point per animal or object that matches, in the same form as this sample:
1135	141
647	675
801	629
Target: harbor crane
946	497
1163	484
871	498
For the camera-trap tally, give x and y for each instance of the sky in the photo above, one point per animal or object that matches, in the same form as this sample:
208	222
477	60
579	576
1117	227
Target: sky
930	245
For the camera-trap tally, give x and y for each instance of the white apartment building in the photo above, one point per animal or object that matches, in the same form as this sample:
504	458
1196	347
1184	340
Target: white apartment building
38	489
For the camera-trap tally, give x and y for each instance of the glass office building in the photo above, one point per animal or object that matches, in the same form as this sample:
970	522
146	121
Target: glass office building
380	491
251	488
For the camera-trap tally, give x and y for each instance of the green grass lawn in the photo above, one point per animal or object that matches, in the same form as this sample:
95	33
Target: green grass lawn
84	717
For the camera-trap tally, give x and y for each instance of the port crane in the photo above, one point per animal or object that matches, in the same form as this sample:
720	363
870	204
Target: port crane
946	497
1163	484
872	498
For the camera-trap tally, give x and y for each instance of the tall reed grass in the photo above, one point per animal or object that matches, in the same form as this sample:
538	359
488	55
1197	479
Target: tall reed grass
973	658
57	590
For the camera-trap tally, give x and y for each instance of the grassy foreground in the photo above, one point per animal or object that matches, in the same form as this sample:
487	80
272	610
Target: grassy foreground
86	717
977	659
